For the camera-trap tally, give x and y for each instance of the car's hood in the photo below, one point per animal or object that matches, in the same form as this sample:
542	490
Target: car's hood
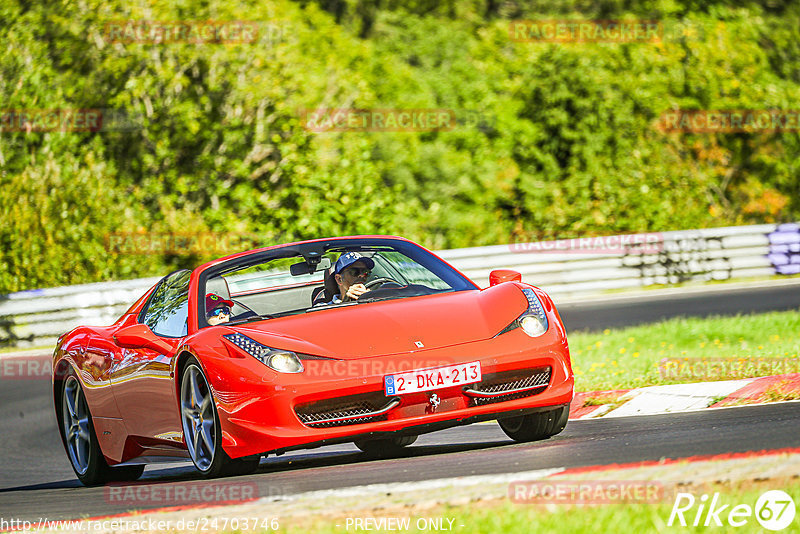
394	326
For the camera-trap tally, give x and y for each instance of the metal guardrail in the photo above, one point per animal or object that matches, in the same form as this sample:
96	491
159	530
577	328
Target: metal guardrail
565	269
562	268
37	317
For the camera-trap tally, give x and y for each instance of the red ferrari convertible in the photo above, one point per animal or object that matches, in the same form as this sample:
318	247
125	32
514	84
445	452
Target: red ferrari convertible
368	339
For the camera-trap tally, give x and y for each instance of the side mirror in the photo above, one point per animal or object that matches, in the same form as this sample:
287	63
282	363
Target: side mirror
140	336
499	276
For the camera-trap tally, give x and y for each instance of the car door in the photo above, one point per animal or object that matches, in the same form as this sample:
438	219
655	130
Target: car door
141	378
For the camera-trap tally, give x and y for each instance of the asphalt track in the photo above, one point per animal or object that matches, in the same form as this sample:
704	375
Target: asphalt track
36	480
647	307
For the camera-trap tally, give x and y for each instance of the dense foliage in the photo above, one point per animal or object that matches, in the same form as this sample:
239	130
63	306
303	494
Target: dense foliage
552	139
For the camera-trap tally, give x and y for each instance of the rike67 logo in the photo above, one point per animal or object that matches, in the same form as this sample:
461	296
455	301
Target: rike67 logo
774	510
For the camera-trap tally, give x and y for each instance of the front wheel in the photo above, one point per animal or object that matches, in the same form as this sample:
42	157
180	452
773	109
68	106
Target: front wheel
535	426
201	429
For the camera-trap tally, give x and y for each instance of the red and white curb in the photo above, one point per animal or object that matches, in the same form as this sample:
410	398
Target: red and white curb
680	397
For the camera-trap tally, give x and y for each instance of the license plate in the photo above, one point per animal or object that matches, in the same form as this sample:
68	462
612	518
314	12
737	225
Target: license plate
435	378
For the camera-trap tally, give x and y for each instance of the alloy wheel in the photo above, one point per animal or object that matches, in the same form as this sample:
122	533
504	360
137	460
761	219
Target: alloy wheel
197	415
75	416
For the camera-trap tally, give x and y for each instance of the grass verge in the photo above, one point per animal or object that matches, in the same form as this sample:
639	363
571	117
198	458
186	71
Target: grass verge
501	515
761	345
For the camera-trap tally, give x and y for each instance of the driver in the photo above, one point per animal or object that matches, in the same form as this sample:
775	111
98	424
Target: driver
350	273
218	310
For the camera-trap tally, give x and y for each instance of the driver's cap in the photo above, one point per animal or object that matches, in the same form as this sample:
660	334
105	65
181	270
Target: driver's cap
349	258
214	301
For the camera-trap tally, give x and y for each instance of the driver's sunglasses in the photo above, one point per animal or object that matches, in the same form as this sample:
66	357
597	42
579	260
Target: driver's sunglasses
358	271
221	310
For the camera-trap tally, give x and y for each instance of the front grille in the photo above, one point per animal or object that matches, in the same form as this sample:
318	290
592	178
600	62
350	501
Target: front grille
349	410
491	388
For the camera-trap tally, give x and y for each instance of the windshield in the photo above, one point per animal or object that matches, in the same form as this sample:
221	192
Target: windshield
300	279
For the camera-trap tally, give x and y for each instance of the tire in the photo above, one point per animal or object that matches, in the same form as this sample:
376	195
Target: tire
201	428
80	439
385	446
535	426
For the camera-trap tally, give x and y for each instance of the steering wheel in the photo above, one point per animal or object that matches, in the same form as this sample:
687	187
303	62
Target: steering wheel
377	281
380	281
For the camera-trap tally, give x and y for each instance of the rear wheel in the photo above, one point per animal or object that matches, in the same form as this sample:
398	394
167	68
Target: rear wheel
535	426
385	446
201	428
83	448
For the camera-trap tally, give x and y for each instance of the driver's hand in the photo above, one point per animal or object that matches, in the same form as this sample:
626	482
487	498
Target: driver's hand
355	291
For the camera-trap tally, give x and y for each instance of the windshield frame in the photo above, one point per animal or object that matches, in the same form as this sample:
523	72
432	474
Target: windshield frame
424	257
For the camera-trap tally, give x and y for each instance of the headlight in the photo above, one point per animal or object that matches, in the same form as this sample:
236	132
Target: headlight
283	361
533	325
533	321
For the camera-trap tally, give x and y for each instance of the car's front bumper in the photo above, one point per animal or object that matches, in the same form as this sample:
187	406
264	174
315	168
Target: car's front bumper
259	414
